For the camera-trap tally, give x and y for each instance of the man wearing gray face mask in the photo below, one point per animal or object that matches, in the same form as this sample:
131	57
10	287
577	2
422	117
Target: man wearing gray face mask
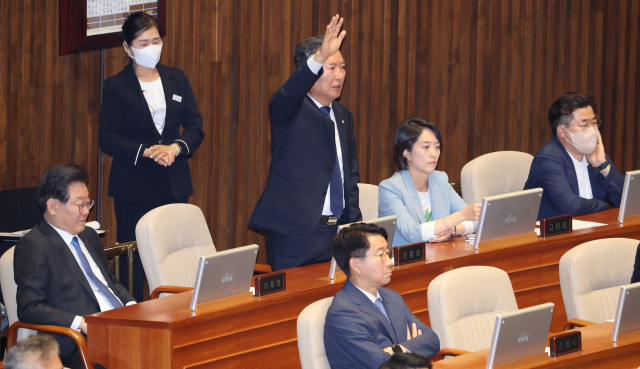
576	175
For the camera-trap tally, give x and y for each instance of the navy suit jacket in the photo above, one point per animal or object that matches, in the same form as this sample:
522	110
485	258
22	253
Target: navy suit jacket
52	289
356	332
552	170
303	152
127	128
398	196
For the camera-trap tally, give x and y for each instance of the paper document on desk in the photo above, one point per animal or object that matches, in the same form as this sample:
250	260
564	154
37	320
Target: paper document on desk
581	224
20	233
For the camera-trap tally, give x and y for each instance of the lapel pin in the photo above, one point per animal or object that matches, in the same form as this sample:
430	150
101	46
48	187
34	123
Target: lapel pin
343	121
177	98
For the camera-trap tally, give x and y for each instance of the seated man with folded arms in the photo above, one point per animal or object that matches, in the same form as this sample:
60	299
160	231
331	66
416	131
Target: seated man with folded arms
60	266
575	174
36	352
367	323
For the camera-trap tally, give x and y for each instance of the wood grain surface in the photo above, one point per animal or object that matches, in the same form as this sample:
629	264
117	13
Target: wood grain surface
485	71
250	334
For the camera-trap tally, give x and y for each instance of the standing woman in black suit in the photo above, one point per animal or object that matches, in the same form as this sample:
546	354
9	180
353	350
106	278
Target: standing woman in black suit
143	108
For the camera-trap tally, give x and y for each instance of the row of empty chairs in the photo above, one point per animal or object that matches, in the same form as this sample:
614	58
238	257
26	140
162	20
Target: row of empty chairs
463	303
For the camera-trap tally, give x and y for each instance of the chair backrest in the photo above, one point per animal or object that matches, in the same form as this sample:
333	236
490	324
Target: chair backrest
9	290
171	239
463	304
494	174
368	200
591	275
311	335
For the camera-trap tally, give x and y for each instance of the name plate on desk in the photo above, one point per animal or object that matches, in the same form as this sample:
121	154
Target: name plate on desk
555	225
565	343
270	283
408	254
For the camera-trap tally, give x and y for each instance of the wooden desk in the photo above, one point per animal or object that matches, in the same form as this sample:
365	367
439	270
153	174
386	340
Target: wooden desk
598	351
262	333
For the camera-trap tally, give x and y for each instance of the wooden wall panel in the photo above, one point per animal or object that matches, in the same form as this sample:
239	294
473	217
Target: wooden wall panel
485	71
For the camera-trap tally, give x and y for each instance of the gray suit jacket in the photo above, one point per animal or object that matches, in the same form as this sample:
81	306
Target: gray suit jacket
356	332
398	196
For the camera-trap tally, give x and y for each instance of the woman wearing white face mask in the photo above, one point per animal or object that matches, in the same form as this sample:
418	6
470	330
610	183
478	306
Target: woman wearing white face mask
143	108
575	174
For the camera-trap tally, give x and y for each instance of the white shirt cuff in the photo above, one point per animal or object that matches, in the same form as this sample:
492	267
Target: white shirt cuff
314	65
468	227
76	323
131	303
427	230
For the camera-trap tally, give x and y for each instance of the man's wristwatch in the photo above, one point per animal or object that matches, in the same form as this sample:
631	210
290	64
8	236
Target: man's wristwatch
397	349
603	165
455	231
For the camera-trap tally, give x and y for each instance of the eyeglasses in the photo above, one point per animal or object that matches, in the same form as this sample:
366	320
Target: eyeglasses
84	205
381	256
594	123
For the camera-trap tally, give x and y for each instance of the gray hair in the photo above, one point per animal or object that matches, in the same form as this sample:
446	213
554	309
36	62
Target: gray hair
306	48
40	347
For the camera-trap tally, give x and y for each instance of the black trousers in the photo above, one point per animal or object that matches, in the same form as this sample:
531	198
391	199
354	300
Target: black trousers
128	213
284	252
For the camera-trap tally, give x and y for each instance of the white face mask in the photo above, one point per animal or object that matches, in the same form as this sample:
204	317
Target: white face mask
147	57
585	141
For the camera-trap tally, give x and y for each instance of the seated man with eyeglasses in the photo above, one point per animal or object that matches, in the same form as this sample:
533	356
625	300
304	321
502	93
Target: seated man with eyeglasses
367	323
60	266
575	174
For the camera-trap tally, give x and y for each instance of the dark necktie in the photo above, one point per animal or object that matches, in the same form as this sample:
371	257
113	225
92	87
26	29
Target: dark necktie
335	185
104	290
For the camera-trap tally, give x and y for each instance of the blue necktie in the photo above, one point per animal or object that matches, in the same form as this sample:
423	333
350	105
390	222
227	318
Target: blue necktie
380	306
336	196
104	290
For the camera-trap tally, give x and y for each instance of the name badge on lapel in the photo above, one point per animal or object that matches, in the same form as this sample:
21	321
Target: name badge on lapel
177	98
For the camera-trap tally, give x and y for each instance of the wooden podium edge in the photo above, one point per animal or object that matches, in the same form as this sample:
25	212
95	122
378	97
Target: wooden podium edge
628	337
224	302
527	360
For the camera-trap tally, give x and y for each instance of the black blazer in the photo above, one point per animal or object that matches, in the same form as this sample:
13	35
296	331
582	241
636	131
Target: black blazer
303	151
127	128
52	289
552	169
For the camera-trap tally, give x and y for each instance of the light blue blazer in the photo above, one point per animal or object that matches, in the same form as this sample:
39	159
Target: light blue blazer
398	196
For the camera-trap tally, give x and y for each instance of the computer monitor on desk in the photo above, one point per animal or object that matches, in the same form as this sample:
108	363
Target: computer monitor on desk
630	203
225	273
520	334
507	215
389	225
628	313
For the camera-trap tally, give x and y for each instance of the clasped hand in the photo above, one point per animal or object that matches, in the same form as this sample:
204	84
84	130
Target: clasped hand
162	154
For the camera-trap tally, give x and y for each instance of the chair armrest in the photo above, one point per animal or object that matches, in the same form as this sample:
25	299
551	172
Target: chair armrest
262	269
76	336
168	289
447	352
575	323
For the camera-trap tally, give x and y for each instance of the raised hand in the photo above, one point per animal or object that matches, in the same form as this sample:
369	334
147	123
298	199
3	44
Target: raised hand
597	157
332	40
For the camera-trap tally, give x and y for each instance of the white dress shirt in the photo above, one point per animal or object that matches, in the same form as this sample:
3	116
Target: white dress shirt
582	174
326	209
102	301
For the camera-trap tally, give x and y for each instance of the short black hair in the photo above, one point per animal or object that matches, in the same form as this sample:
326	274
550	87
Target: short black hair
561	112
407	135
135	24
306	48
56	181
352	242
406	360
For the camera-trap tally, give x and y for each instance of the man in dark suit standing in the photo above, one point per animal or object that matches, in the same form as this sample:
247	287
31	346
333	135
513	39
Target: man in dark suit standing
60	266
575	174
313	176
367	323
